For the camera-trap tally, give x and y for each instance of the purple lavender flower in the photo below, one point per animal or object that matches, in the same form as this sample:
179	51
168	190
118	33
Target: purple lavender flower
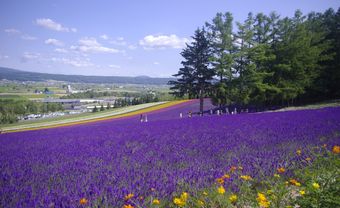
104	161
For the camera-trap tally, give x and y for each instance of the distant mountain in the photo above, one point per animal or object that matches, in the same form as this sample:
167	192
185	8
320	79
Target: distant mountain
14	74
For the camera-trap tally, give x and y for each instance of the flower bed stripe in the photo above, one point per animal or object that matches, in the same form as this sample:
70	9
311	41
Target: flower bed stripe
90	120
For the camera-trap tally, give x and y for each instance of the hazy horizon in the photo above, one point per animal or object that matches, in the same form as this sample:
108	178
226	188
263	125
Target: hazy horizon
83	74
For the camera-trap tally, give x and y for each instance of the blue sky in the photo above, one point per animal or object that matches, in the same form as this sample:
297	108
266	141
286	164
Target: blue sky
117	37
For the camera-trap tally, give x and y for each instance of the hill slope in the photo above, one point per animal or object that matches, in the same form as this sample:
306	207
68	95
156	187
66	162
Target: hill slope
13	74
103	162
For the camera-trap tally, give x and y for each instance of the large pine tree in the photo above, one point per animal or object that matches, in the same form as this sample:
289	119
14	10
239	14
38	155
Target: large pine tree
298	55
194	78
222	42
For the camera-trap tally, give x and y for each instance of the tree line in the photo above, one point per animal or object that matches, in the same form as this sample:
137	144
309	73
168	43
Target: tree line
89	94
12	109
266	60
128	101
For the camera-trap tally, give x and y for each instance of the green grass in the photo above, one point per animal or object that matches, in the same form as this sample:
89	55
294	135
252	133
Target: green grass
40	95
27	95
4	89
10	96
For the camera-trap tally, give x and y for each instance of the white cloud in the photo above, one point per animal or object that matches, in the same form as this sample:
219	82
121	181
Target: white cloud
54	42
12	31
52	25
114	66
76	63
104	37
119	41
156	63
73	62
90	45
163	41
61	50
28	37
29	56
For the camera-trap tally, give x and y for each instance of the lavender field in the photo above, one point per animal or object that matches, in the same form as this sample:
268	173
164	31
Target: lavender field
104	161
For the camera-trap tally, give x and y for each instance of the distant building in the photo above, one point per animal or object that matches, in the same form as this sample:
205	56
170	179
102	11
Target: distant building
68	104
69	89
62	101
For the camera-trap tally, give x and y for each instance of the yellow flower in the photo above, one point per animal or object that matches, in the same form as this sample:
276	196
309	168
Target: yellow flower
336	149
232	168
316	185
302	192
182	200
308	159
205	193
281	170
298	152
156	201
83	201
289	206
200	202
226	176
220	180
262	200
277	175
261	197
128	206
184	196
179	202
233	198
245	177
129	196
221	190
294	182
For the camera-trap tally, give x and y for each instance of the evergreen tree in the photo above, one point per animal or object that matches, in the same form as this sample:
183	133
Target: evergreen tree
297	58
221	37
102	108
244	67
268	61
327	85
184	85
261	57
195	76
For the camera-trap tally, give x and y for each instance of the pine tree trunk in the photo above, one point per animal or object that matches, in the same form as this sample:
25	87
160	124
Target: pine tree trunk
201	100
